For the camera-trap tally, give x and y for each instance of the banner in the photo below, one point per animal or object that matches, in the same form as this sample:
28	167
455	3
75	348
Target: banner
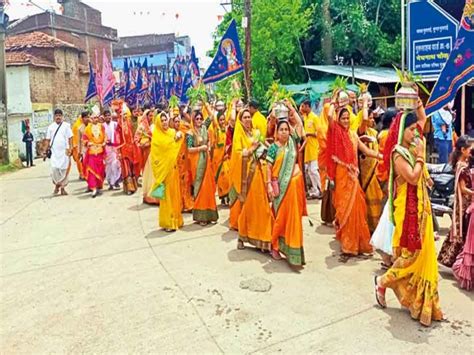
108	80
459	68
228	59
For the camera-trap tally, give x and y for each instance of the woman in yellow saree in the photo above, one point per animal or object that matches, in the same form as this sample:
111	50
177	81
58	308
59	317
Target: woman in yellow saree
414	274
286	189
250	210
204	186
165	146
368	168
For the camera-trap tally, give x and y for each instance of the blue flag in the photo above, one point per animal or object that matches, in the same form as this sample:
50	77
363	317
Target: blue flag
228	59
109	97
187	83
459	68
92	86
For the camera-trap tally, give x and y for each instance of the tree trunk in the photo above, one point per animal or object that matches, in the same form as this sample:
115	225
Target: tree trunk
326	40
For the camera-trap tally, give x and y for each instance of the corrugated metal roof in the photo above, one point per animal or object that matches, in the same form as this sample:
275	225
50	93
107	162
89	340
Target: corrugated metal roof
379	75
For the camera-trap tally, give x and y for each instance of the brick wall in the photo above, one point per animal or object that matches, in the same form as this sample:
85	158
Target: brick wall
65	85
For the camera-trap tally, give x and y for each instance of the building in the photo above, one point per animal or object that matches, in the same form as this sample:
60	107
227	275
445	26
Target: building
80	25
160	50
42	73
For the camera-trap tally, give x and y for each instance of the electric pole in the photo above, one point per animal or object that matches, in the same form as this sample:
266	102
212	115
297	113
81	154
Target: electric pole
246	23
3	78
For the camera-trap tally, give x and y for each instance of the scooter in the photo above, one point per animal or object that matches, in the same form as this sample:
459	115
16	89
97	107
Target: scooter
442	192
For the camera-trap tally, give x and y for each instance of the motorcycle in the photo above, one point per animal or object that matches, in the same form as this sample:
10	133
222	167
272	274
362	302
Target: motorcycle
442	191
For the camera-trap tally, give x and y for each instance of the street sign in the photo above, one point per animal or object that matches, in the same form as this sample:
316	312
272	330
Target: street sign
431	35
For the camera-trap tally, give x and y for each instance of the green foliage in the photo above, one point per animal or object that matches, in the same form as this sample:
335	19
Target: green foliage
340	83
277	27
409	77
174	102
197	94
276	92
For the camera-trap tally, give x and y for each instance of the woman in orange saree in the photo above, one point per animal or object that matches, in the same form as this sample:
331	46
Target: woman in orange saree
352	229
142	137
414	274
94	139
165	146
250	209
220	161
187	200
286	190
204	186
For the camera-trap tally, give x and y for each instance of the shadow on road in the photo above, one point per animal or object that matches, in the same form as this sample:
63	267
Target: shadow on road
324	230
141	207
160	233
230	236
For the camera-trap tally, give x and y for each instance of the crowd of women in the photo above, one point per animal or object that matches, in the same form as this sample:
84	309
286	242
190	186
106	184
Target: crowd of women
372	178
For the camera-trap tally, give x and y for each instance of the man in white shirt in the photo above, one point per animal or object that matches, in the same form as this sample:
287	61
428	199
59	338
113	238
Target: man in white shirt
113	170
59	137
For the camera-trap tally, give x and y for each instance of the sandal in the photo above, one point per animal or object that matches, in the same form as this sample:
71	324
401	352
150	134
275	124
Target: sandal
276	255
379	294
240	245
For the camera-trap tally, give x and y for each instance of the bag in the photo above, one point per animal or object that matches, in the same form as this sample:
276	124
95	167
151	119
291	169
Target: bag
328	212
159	192
48	150
275	187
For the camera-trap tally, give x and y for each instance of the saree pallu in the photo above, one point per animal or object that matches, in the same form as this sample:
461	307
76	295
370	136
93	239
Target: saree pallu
256	219
95	170
144	153
220	168
463	268
414	274
289	206
148	183
373	192
205	208
170	216
352	229
185	179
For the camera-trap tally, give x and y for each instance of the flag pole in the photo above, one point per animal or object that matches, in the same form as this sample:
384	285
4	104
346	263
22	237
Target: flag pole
463	110
248	45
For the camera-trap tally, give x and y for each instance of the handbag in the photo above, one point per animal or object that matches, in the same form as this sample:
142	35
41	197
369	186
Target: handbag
48	150
159	192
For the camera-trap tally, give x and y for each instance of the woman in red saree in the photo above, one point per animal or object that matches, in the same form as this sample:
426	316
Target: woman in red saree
94	139
352	229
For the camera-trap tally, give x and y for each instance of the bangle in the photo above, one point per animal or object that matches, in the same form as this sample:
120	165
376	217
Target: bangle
420	160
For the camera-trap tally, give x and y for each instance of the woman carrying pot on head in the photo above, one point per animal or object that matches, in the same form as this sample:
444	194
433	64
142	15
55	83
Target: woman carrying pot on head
285	186
165	146
414	274
204	186
250	209
352	229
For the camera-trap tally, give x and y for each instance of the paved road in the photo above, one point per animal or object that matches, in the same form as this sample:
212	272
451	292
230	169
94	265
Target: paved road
84	275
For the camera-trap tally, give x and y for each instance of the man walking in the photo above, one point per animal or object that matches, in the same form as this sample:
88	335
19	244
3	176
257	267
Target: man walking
28	140
443	133
59	138
311	150
113	171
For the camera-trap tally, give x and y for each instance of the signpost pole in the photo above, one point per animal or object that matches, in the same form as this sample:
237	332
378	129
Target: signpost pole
402	8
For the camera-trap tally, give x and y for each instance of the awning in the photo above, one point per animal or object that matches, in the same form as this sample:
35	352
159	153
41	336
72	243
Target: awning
379	75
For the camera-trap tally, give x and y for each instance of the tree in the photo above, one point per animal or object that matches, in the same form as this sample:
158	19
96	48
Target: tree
367	31
277	28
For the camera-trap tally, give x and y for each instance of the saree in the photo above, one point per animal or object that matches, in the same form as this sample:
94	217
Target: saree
130	154
322	144
94	165
250	212
220	166
370	184
454	243
77	133
142	139
414	274
163	155
204	187
184	171
289	205
352	229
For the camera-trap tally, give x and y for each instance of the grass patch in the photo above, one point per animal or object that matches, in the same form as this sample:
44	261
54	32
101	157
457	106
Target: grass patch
7	168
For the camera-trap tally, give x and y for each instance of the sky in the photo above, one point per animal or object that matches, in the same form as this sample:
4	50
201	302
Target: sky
195	18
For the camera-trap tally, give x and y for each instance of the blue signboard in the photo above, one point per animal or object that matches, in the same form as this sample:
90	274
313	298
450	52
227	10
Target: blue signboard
431	35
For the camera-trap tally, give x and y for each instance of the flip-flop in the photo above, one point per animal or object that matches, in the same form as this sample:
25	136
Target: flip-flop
378	294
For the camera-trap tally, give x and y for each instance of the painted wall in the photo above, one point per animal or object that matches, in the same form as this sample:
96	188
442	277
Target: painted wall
18	90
